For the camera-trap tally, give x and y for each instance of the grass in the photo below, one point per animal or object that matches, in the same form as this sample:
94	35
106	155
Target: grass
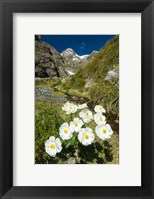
56	93
107	58
46	83
100	91
78	92
48	118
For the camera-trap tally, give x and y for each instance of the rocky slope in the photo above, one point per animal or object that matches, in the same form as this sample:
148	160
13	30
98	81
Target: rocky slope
48	61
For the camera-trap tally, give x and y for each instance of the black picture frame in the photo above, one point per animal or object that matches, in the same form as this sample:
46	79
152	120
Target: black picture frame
7	8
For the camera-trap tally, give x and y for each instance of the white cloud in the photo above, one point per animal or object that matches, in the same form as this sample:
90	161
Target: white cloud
82	45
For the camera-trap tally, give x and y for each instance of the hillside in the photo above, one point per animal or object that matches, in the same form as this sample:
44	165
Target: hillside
107	59
96	82
98	79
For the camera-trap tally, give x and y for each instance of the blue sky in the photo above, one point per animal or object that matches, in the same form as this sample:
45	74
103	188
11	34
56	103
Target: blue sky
81	44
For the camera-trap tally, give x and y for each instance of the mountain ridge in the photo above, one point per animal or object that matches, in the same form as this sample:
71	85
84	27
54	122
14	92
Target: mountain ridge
73	61
50	63
71	51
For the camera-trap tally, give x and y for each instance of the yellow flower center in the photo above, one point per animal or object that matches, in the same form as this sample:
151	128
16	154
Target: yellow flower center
52	146
86	136
87	113
71	107
103	130
101	119
76	124
66	131
100	109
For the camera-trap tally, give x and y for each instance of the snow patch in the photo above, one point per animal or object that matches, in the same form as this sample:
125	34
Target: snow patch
83	56
70	72
75	59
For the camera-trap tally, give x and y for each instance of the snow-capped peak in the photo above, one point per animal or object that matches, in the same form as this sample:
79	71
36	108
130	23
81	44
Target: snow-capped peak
73	61
69	52
71	58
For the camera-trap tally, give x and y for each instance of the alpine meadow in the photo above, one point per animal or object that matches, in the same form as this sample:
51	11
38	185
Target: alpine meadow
76	99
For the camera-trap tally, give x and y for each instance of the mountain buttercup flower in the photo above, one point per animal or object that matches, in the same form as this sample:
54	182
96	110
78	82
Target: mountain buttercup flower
65	107
69	108
82	106
99	109
86	115
76	124
53	146
86	136
104	131
99	119
65	131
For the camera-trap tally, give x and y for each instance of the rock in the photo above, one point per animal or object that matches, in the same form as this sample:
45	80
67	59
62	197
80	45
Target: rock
73	61
48	95
62	71
111	74
52	73
37	38
48	61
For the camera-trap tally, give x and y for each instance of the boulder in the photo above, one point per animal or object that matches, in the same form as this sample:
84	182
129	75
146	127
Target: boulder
48	61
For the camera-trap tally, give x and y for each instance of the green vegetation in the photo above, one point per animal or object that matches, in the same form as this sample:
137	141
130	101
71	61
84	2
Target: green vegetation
56	93
46	83
49	116
100	91
48	119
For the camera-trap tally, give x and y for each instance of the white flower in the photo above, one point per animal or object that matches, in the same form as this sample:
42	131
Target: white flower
86	116
99	119
65	131
86	136
65	107
104	131
69	108
99	109
81	106
76	124
53	146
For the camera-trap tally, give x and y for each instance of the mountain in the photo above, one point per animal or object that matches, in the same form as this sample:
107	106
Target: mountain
48	61
73	61
70	54
98	79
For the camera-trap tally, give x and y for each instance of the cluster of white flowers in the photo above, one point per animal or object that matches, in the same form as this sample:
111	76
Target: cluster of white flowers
85	135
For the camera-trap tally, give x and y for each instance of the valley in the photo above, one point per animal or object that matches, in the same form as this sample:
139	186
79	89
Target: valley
91	79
